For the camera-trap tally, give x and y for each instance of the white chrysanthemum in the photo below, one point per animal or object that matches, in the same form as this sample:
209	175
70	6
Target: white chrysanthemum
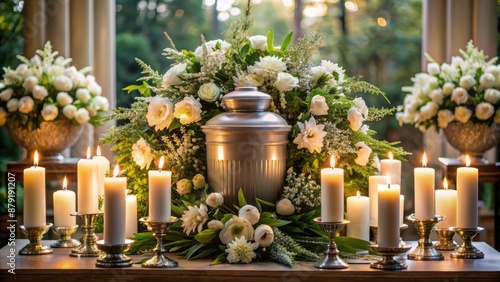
243	79
194	218
141	154
310	136
240	250
268	66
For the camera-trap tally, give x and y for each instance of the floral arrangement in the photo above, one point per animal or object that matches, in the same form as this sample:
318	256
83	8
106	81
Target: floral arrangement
466	90
45	88
319	101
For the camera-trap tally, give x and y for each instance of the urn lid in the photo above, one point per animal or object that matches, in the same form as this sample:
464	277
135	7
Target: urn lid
247	99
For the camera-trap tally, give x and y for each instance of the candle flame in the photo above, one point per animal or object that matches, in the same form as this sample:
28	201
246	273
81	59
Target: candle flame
388	179
445	184
467	160
424	160
88	153
35	158
358	194
390	156
65	183
332	162
116	172
162	161
98	152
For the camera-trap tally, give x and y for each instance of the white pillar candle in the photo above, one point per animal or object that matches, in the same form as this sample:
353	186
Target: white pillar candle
392	167
115	209
446	204
87	186
389	211
64	205
160	192
34	195
467	196
332	193
102	168
358	208
401	209
373	182
424	191
131	224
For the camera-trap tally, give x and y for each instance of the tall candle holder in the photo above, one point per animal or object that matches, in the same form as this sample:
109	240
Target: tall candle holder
65	240
466	250
388	253
425	249
35	234
403	227
445	242
88	248
331	259
113	254
159	229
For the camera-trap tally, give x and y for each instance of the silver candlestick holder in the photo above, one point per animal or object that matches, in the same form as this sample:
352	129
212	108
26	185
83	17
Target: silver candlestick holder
88	248
467	250
403	227
388	253
159	229
65	240
445	242
331	259
425	249
35	235
114	254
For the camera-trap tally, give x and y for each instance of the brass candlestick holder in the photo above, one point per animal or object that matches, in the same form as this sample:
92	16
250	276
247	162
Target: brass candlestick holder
445	242
402	243
35	235
65	240
113	254
425	249
88	248
388	253
331	259
467	250
159	229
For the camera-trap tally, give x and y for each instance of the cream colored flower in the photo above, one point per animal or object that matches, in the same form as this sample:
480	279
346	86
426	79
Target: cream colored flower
12	105
268	66
6	94
244	79
141	154
459	95
364	153
239	250
64	99
211	47
448	88
437	96
160	113
467	81
171	77
484	111
184	186
286	82
101	102
3	116
69	111
429	110
209	92
49	112
94	88
258	42
433	68
215	224
92	110
39	92
487	80
26	104
214	199
462	114
264	235
234	228
83	95
63	83
319	106
82	116
199	181
492	95
444	117
310	136
30	82
285	207
355	118
188	110
360	104
251	213
193	218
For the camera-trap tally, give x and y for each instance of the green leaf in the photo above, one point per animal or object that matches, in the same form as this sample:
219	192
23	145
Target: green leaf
244	50
226	217
265	203
193	250
174	125
206	253
286	42
207	236
131	88
270	40
222	258
178	211
273	222
241	198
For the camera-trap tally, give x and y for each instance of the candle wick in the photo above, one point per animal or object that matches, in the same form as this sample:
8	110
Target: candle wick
388	185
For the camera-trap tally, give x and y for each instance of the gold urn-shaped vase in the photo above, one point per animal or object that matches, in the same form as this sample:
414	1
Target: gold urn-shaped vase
246	148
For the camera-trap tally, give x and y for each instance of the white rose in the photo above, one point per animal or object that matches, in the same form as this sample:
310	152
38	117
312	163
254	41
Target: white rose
49	112
171	77
83	95
95	88
361	105
6	94
64	99
487	80
22	71
456	61
251	213
215	199
459	95
13	105
77	78
264	235
319	106
429	110
355	118
188	110
26	104
286	82
69	111
492	95
199	181
285	207
467	81
3	116
236	227
92	110
30	82
63	83
55	70
184	186
437	96
448	88
484	111
317	73
209	92
364	153
444	117
88	79
462	114
102	103
141	154
433	68
39	92
160	113
258	42
215	224
496	119
82	116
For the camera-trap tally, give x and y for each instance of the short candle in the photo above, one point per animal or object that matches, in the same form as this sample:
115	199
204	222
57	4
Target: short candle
446	204
358	214
64	205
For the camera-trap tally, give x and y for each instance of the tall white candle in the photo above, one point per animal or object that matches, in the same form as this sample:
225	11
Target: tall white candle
131	224
389	211
373	182
392	167
401	208
332	193
34	195
102	168
358	208
467	196
160	192
87	185
115	209
446	204
424	191
64	205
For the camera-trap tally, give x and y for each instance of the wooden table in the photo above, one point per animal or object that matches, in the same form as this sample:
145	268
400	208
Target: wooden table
59	266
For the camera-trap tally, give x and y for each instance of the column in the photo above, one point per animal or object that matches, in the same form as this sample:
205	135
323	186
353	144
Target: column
34	26
57	31
459	26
